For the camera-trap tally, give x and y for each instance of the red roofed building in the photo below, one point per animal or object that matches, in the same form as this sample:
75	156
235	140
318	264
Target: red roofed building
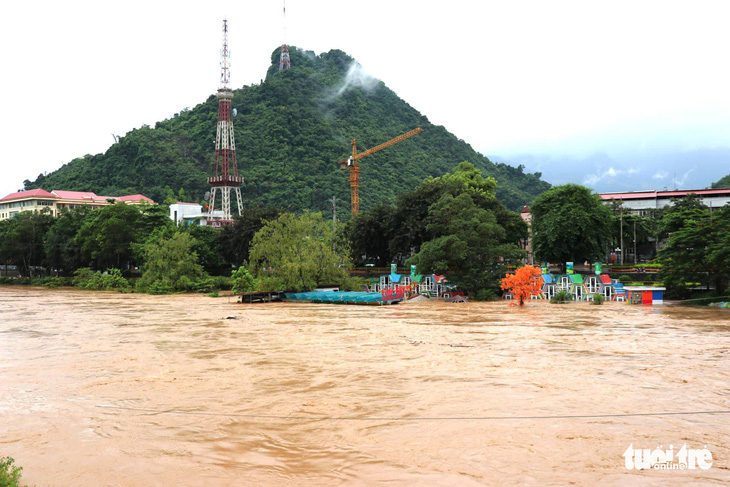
40	200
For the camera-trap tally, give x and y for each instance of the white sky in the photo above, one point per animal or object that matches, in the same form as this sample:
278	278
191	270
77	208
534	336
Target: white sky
505	76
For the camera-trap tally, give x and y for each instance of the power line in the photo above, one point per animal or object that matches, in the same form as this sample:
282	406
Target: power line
415	418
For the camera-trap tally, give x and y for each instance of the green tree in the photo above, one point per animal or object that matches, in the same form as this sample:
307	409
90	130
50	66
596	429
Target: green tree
570	223
298	254
696	249
243	281
207	244
236	238
469	244
62	252
370	234
107	236
410	221
170	265
22	240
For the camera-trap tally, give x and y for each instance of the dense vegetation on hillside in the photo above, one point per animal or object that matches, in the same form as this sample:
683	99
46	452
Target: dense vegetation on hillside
723	182
290	132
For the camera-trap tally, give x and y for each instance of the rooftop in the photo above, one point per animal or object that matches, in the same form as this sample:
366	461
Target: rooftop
33	193
86	196
635	195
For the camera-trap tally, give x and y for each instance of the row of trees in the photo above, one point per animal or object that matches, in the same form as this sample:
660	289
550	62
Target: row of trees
449	224
691	240
453	224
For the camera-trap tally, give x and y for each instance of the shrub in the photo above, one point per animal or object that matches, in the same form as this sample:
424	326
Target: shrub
597	299
624	279
243	281
561	297
485	295
110	280
9	474
55	282
158	287
206	284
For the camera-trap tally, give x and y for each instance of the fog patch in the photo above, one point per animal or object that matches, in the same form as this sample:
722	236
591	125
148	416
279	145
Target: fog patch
356	77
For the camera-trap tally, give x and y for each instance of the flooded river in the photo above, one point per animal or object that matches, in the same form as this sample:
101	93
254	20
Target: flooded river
132	390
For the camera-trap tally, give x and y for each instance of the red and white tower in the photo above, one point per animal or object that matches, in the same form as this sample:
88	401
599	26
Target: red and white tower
225	172
284	61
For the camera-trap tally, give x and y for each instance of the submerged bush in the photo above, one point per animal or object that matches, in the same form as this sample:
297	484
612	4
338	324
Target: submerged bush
561	297
110	280
598	299
9	474
243	281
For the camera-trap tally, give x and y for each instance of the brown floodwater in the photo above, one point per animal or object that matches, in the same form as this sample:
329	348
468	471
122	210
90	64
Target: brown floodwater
116	389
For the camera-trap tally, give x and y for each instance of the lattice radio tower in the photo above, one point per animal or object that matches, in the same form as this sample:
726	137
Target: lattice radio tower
225	172
284	61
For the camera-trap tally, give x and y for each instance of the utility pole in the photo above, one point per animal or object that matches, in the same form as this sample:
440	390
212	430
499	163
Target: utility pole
334	212
634	241
334	221
621	209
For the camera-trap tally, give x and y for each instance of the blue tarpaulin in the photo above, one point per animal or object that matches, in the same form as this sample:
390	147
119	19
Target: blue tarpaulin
337	297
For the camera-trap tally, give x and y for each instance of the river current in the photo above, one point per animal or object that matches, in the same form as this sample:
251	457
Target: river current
134	390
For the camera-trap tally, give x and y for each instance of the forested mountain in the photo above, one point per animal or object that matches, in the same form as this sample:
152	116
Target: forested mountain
290	132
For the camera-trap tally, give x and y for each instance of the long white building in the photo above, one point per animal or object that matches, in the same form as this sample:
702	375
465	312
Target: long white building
644	202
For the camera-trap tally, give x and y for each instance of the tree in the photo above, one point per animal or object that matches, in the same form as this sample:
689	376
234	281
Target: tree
107	235
410	221
22	240
469	244
569	223
243	281
298	254
524	283
370	234
207	244
697	246
236	238
62	252
170	265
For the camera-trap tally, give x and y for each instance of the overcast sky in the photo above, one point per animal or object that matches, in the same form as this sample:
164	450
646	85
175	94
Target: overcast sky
508	77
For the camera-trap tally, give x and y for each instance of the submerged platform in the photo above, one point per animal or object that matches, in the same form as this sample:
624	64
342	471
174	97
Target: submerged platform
343	297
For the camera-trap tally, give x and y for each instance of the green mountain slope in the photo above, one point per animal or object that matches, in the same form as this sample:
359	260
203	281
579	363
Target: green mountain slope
290	132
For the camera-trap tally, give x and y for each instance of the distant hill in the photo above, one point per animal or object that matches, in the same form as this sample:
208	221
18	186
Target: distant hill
290	132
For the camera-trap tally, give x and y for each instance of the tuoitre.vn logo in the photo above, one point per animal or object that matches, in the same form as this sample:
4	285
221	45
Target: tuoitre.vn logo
685	458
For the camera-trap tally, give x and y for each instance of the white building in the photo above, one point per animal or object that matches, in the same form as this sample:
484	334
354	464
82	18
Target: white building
644	202
185	212
39	200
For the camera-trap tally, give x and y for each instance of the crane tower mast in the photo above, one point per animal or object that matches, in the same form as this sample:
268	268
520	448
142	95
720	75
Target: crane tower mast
355	167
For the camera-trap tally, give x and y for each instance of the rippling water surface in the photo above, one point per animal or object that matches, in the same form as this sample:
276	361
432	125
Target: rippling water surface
128	390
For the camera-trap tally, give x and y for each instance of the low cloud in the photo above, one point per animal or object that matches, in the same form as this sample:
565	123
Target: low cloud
611	174
660	175
356	77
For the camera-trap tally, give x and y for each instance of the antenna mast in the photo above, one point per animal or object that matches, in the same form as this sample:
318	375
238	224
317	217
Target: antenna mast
225	171
284	61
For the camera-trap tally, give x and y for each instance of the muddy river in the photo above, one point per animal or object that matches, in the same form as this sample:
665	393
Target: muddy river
111	389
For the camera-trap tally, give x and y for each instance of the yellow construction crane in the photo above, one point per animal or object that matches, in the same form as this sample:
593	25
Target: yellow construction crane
355	168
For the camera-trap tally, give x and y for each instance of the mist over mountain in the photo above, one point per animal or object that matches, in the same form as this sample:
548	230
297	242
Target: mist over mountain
290	131
603	172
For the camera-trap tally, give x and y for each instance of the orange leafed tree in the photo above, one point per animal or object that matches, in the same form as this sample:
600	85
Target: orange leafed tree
525	282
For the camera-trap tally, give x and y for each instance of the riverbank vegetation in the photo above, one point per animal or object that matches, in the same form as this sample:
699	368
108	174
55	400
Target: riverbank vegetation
10	473
452	224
